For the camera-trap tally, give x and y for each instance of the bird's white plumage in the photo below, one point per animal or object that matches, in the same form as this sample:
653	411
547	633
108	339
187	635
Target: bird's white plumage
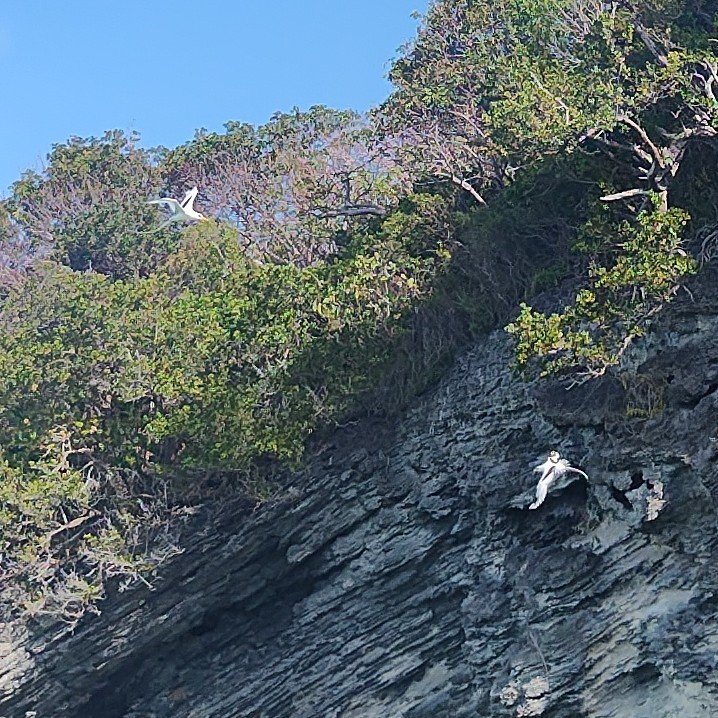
552	469
189	198
181	211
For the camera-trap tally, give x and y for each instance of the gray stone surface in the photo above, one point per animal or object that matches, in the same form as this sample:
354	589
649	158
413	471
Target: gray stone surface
402	576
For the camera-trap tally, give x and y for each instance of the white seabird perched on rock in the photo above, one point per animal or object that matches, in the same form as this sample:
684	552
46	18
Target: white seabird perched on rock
181	211
553	468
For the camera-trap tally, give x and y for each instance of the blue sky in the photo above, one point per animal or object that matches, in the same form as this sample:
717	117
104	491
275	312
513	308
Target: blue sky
165	68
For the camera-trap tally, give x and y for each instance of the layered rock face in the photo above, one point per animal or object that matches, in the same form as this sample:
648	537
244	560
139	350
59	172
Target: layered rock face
402	574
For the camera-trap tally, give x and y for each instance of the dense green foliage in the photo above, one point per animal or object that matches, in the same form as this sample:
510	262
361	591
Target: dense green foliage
529	146
213	362
87	208
489	89
598	327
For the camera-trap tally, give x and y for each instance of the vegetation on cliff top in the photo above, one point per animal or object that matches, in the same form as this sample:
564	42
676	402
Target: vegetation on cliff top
528	145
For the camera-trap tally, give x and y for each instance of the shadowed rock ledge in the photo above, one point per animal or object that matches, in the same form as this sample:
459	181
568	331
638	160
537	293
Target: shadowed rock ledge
401	575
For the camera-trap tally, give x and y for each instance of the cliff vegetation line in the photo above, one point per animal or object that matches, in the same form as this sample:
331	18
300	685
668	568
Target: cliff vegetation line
560	149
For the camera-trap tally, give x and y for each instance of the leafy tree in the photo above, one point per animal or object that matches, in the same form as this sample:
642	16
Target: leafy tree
488	88
607	316
87	208
294	186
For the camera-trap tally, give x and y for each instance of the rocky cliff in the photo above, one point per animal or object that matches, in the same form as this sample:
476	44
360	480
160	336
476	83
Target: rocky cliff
401	574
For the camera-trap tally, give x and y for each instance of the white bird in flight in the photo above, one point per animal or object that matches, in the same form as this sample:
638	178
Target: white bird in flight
553	468
181	211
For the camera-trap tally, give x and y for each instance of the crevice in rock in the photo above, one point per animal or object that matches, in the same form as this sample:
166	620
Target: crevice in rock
645	673
208	623
621	497
399	687
267	618
693	402
636	480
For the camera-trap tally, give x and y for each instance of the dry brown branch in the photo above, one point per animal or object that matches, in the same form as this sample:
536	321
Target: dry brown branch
350	211
648	41
657	155
74	523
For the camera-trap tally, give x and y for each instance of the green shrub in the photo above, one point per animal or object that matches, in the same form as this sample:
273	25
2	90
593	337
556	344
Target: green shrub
122	401
86	209
592	334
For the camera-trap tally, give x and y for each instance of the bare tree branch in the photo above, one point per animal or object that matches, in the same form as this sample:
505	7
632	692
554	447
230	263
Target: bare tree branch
648	41
351	211
74	523
623	195
467	186
657	154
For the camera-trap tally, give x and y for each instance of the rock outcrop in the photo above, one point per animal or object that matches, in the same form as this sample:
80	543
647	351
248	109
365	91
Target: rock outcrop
401	573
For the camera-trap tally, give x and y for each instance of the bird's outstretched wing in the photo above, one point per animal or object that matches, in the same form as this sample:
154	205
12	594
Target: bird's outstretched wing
189	198
541	491
552	469
173	204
